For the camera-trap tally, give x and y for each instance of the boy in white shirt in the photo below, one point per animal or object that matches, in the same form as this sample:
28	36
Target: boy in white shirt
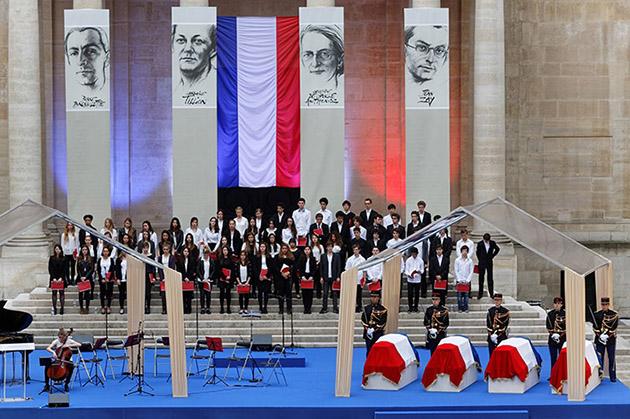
302	220
196	232
324	211
463	275
355	260
241	222
414	268
464	241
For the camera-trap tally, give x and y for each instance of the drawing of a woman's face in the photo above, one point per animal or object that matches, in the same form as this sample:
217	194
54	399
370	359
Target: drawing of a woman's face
318	56
192	48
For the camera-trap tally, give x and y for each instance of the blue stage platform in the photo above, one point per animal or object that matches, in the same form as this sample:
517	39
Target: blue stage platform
310	395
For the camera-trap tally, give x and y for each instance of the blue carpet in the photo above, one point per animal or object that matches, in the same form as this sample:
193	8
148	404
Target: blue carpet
310	394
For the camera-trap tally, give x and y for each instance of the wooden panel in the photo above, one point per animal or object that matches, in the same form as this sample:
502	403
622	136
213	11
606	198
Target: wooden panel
135	307
345	332
175	310
575	302
391	292
604	284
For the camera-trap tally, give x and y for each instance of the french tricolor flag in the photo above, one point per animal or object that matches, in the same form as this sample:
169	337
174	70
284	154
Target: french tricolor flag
258	101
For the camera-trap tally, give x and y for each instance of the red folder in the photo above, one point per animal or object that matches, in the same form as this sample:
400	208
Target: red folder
374	285
75	253
307	284
188	286
336	285
263	274
162	286
226	273
151	277
301	241
476	269
462	287
207	286
440	284
83	286
285	269
243	289
108	276
57	285
213	256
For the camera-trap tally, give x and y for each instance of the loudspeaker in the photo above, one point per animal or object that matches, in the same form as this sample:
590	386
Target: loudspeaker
58	400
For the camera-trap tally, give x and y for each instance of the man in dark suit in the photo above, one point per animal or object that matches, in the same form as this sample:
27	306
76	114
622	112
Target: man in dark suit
396	225
348	216
87	219
319	226
423	216
486	251
340	227
235	242
376	241
368	214
330	271
443	240
280	217
377	226
414	225
363	245
438	269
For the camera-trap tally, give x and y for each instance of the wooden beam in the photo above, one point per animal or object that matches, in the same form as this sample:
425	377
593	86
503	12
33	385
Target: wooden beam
576	312
345	332
135	308
177	338
604	284
391	292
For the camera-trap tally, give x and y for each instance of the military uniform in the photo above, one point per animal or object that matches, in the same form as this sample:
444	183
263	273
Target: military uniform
497	322
557	328
374	318
605	328
436	317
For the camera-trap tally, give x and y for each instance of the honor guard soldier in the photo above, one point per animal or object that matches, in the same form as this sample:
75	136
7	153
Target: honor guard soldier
557	328
605	328
497	322
374	318
436	322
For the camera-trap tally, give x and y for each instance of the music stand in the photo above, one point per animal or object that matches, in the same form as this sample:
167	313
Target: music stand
138	370
214	345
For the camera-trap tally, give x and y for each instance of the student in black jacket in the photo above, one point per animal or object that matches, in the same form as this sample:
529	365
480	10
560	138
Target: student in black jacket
285	262
330	271
166	259
264	269
486	251
187	266
225	278
307	271
205	274
243	274
177	235
149	277
85	272
57	271
106	273
234	240
438	269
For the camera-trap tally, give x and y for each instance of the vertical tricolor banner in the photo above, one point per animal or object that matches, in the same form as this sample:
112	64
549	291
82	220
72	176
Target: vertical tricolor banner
194	89
426	71
258	102
87	59
322	56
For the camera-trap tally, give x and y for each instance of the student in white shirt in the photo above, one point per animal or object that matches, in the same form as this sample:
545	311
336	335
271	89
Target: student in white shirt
326	213
387	220
289	232
302	219
414	268
212	235
70	247
196	232
241	222
392	242
374	273
63	341
357	224
464	241
355	260
121	280
463	275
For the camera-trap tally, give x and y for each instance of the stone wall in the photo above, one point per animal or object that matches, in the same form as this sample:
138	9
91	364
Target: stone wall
4	106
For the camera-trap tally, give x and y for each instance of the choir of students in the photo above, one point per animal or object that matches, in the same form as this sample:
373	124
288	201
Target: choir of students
296	256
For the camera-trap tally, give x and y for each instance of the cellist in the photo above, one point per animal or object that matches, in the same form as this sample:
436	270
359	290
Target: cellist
56	348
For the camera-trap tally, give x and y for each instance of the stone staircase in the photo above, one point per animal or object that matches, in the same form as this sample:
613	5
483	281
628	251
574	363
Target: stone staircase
622	352
309	330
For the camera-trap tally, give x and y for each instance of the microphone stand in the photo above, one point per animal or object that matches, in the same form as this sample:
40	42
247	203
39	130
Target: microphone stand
282	303
197	311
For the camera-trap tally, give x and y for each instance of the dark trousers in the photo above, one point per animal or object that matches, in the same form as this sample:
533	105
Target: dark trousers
442	295
106	292
609	348
122	294
147	294
84	299
483	269
163	298
327	290
284	293
225	296
423	286
70	265
433	343
204	297
188	297
264	289
62	299
359	299
413	295
370	342
554	352
492	345
318	289
243	301
307	299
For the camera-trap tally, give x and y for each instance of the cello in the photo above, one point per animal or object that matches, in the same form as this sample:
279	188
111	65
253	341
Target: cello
61	367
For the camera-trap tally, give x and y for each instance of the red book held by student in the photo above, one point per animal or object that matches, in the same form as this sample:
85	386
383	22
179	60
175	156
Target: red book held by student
336	285
263	273
162	286
188	286
374	285
83	286
56	285
440	284
318	232
207	286
462	287
243	288
476	269
307	284
226	273
301	241
151	277
285	269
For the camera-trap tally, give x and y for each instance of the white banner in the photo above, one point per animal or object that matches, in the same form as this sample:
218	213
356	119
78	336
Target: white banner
194	57
87	59
321	57
426	45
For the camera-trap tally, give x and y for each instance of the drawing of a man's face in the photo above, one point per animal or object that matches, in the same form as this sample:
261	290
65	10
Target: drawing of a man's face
193	48
88	56
321	56
426	51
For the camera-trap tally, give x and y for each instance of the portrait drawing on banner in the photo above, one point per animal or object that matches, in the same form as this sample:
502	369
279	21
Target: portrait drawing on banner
426	66
87	58
194	65
322	59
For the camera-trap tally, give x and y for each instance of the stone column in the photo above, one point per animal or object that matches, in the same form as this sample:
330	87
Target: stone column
25	122
320	3
489	102
87	4
426	3
193	3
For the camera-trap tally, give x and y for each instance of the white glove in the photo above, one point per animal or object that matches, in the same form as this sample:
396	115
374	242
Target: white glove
433	333
494	338
603	338
370	333
555	337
